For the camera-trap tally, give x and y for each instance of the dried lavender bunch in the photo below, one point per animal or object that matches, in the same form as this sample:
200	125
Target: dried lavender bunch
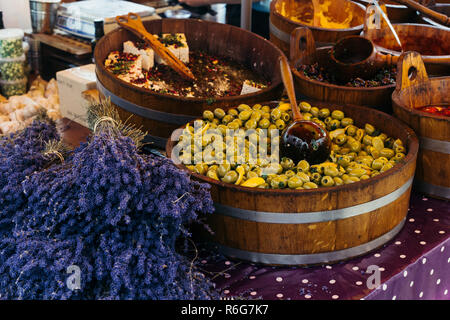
20	156
114	213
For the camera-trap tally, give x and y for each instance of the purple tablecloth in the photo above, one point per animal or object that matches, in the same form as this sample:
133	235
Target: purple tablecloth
414	265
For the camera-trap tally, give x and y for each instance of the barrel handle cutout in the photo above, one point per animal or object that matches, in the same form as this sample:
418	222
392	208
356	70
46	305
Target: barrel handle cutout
302	46
411	70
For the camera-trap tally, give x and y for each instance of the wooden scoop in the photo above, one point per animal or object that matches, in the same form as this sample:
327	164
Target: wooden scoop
302	139
356	56
133	23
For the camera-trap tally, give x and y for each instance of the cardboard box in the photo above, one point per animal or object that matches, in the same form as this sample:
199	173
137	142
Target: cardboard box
71	84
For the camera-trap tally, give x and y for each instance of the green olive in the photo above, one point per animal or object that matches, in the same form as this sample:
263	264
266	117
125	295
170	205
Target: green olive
310	185
344	160
355	146
233	112
314	112
264	123
303	176
333	125
367	140
399	156
280	124
233	125
307	116
285	116
302	166
324	112
335	148
245	115
304	106
337	114
340	139
346	122
370	129
386	167
230	177
331	171
316	168
265	109
200	168
387	153
351	180
358	172
295	182
364	177
227	119
266	115
256	115
378	143
327	120
351	130
287	163
275	114
251	124
377	164
208	115
243	107
327	181
278	183
219	113
338	181
257	107
400	149
315	177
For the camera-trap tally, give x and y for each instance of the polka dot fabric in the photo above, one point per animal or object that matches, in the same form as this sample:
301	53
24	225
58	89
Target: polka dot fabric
414	265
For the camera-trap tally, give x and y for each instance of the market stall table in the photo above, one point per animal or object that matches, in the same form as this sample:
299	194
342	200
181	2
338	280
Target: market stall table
414	265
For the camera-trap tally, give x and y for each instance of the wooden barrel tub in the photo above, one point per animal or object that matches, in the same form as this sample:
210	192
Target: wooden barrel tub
325	225
397	13
159	113
414	90
281	26
432	42
304	51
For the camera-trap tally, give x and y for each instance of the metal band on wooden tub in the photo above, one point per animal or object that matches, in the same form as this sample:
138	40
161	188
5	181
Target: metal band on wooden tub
160	116
440	146
312	217
313	258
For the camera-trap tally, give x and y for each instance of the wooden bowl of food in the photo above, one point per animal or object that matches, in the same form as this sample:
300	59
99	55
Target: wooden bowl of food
424	105
221	56
302	214
333	20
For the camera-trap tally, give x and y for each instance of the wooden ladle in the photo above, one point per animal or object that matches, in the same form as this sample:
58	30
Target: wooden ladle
133	23
356	56
302	139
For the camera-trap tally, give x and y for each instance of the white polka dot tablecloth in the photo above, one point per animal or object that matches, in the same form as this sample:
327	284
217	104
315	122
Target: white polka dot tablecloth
414	265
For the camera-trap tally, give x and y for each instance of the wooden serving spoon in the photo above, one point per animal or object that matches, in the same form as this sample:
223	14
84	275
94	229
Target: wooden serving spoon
133	23
302	139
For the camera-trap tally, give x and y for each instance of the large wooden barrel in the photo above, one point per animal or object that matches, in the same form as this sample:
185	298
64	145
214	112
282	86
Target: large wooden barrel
432	42
414	90
281	25
324	225
304	51
159	113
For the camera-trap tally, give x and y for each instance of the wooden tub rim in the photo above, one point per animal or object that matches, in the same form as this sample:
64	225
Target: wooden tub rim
413	148
331	85
396	95
398	53
104	72
355	28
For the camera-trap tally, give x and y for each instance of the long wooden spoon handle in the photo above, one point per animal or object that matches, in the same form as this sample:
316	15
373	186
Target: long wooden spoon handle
133	23
286	76
437	16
